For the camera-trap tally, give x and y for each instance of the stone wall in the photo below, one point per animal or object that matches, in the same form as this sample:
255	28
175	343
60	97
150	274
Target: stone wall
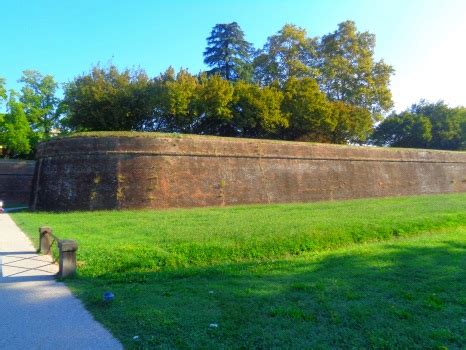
15	181
160	171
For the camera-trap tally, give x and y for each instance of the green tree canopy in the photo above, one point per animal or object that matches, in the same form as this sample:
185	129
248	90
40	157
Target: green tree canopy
40	103
308	111
424	125
349	71
287	54
404	130
228	53
107	99
257	110
15	132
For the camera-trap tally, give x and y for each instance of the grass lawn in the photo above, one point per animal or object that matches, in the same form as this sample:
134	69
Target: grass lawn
376	273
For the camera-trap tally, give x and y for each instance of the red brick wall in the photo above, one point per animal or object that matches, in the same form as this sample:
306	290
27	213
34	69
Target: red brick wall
165	172
15	181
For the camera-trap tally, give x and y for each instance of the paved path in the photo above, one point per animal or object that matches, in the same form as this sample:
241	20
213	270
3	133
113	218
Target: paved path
37	312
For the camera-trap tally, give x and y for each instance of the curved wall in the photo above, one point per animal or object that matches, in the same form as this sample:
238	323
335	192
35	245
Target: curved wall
165	171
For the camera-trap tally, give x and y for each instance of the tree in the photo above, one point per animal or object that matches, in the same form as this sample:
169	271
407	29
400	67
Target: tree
107	99
349	72
228	53
213	104
403	130
40	103
309	112
353	123
446	123
175	97
15	131
287	54
257	111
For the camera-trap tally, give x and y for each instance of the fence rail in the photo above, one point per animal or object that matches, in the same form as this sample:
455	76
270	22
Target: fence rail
66	250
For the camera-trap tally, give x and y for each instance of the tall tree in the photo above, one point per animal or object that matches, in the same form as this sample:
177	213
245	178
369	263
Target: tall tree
228	53
349	71
40	103
287	54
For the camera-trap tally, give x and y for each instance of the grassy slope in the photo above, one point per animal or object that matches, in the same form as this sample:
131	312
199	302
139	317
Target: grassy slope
254	270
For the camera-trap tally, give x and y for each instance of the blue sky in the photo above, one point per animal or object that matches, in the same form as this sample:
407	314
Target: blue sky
423	40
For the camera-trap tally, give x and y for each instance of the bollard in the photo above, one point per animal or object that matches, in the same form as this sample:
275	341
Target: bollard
67	261
45	239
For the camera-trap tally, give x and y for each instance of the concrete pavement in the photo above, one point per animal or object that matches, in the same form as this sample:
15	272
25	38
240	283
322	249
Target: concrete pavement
36	311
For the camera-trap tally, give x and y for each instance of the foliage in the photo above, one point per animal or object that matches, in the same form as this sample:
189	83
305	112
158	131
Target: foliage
257	110
214	106
349	72
404	130
228	53
275	273
309	112
107	99
15	130
425	125
446	123
287	54
38	96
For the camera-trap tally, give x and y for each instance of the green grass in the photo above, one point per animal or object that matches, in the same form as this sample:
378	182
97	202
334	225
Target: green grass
377	273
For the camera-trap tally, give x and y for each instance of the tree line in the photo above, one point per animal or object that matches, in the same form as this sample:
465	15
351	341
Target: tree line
329	89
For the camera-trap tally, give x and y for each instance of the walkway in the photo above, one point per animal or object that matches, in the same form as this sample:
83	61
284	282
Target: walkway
37	312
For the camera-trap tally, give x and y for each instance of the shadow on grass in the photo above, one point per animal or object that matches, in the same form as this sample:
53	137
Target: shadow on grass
390	296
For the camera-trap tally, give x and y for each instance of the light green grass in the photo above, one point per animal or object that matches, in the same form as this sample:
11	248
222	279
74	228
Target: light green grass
377	273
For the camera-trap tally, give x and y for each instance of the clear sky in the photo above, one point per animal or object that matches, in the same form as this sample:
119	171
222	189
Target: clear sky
423	39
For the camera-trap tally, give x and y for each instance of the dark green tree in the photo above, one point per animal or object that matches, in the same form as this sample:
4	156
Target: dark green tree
447	132
228	53
403	130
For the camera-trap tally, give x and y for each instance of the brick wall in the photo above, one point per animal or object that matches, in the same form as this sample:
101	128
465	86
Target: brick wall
15	181
85	173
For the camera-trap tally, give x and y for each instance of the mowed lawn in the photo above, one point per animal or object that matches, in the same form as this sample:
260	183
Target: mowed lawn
375	273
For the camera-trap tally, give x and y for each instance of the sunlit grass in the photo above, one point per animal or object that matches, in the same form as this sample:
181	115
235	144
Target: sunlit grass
371	273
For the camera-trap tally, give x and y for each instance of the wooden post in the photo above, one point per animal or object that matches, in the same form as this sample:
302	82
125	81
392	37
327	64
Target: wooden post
67	261
45	239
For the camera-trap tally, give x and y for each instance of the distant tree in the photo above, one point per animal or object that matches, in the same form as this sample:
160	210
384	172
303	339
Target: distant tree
447	123
287	54
107	99
15	132
228	53
40	103
404	130
257	110
424	125
308	110
348	71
